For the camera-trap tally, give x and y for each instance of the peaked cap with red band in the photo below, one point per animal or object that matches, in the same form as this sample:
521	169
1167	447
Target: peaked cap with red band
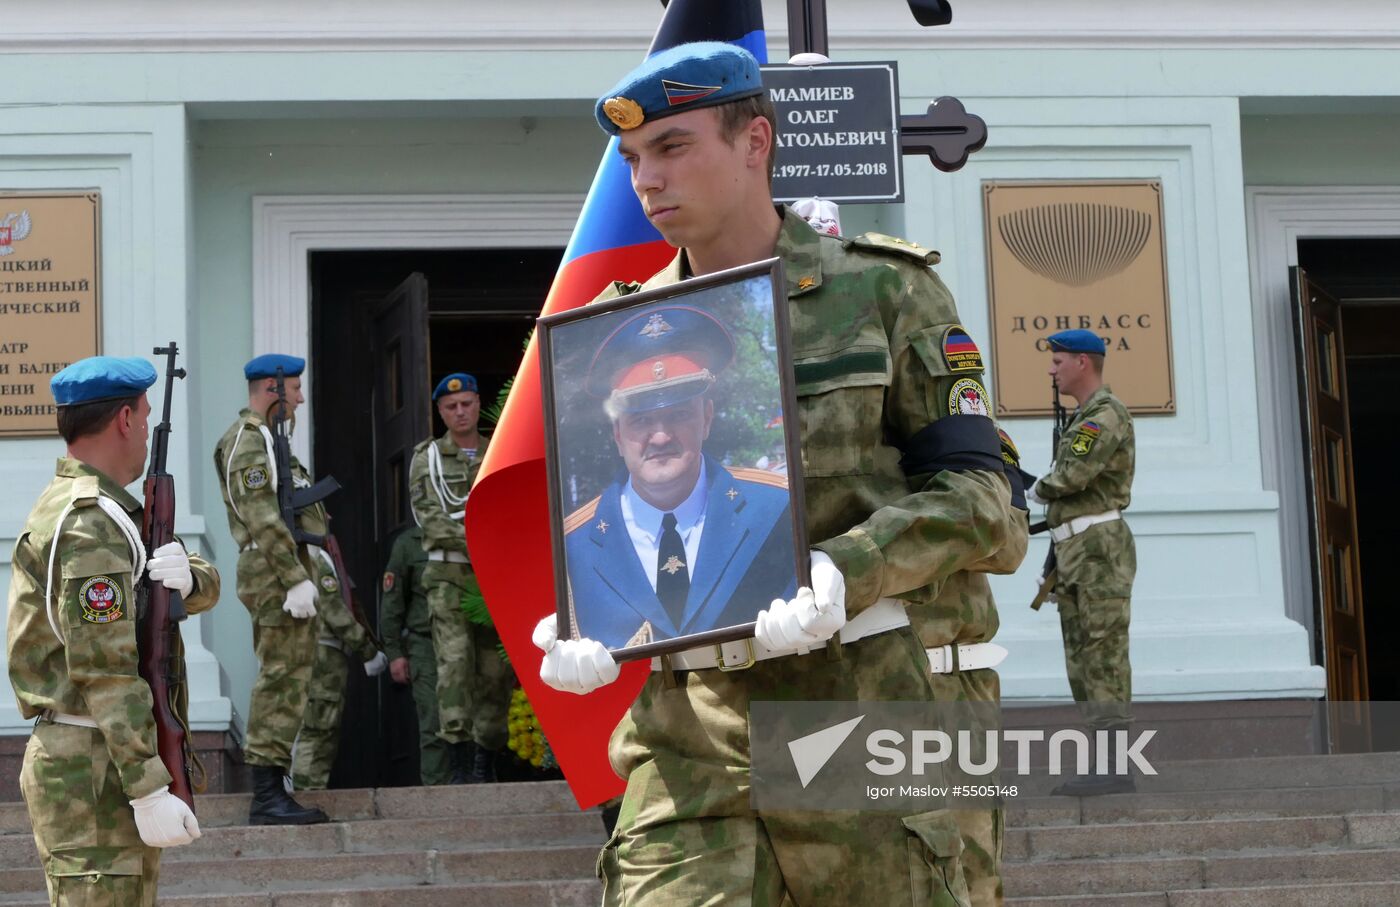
659	357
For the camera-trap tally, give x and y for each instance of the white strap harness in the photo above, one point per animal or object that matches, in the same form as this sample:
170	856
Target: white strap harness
445	497
228	465
133	539
1067	531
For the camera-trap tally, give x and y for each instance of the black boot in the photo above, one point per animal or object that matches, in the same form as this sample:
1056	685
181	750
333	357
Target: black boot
463	758
483	769
1097	785
273	806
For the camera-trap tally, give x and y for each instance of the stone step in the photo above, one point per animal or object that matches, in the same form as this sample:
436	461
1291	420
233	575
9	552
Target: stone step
562	893
1146	874
1202	805
1329	894
1201	838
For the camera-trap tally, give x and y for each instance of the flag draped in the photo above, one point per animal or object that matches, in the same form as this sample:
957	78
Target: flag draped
507	515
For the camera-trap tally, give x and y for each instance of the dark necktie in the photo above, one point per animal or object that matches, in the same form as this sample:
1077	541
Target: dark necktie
672	574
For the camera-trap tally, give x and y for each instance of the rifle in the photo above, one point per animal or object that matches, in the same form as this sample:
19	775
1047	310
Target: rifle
159	611
292	500
1047	585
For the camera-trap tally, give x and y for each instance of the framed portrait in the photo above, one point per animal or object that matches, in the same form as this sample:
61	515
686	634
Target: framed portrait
673	453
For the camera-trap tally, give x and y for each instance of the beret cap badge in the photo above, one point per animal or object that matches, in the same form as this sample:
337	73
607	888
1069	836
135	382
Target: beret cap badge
624	112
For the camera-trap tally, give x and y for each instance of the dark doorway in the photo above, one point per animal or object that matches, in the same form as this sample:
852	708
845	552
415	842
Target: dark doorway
481	307
1364	275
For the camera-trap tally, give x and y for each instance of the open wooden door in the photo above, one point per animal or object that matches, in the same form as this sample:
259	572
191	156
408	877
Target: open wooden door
1332	502
402	399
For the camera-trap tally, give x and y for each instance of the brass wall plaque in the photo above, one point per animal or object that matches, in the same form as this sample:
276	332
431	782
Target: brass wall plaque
50	300
1088	255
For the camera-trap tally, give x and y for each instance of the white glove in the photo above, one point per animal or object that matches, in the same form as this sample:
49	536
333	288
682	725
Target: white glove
810	619
572	665
1034	496
163	819
301	600
170	566
376	665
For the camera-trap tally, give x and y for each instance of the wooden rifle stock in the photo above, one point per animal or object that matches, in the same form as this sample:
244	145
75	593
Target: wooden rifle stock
347	590
161	661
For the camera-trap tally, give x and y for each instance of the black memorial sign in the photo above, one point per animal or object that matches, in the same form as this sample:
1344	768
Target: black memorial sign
838	132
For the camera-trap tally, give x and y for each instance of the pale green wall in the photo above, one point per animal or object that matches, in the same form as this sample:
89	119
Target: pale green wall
1321	150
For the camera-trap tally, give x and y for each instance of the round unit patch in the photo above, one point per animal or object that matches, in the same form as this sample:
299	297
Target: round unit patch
254	477
389	582
329	583
968	398
101	600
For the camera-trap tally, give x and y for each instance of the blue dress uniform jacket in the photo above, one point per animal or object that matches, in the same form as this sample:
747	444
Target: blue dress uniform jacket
745	560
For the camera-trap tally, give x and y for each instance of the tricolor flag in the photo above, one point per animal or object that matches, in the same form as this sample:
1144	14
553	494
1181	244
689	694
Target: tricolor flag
508	514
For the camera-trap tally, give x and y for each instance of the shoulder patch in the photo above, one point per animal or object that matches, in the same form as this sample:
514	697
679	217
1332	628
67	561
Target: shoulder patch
581	516
1084	439
1009	454
893	245
101	600
968	398
959	350
759	476
388	581
330	583
254	477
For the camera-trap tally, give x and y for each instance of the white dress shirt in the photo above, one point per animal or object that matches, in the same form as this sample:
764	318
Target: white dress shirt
643	523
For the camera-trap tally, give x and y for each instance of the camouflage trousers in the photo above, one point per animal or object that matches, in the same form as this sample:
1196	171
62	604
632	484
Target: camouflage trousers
688	834
285	648
473	683
434	756
983	830
318	741
83	824
1094	588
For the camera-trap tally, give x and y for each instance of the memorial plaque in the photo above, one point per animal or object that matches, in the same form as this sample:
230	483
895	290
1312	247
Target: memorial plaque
50	316
1089	255
838	132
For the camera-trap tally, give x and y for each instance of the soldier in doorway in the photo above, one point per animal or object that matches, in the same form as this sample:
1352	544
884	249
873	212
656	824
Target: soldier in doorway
407	625
276	583
97	791
1087	491
473	681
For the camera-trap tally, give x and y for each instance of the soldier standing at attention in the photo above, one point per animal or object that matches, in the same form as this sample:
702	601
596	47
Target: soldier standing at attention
407	626
98	794
1087	491
473	682
904	487
275	584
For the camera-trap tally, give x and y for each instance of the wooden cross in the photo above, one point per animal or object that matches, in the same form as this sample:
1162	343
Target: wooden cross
946	132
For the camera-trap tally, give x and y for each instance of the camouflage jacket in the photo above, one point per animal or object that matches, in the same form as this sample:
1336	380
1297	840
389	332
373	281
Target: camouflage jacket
870	323
441	531
94	670
248	480
404	606
1094	463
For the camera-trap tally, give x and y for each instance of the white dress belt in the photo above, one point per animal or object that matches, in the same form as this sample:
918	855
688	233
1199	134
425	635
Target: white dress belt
451	557
75	720
1080	523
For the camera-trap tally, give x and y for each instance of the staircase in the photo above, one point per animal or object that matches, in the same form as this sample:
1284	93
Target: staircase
1265	832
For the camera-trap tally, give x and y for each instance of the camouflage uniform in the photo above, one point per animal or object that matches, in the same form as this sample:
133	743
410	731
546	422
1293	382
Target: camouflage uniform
1094	581
868	323
77	781
473	683
408	633
269	564
339	639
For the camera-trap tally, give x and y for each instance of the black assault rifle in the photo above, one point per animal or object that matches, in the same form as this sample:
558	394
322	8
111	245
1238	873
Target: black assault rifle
1047	584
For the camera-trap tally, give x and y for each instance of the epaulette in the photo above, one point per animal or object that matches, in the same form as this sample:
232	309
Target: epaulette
618	288
581	516
423	445
85	491
879	242
760	476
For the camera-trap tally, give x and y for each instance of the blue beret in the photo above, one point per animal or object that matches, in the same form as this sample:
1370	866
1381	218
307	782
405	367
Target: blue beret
659	357
265	366
686	77
102	378
1076	341
455	383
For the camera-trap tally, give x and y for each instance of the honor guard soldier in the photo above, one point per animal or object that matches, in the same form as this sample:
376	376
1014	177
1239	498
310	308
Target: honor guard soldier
473	681
1087	491
407	625
904	488
96	788
276	583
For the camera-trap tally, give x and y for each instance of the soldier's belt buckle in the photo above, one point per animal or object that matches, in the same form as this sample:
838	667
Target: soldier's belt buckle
719	657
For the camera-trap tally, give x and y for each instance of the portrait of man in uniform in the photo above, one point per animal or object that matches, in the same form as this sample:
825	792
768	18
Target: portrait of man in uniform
670	411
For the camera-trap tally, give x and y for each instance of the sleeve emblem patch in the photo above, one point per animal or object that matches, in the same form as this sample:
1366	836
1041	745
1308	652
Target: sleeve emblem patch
1083	442
101	600
254	477
1009	454
329	583
968	398
960	352
389	582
